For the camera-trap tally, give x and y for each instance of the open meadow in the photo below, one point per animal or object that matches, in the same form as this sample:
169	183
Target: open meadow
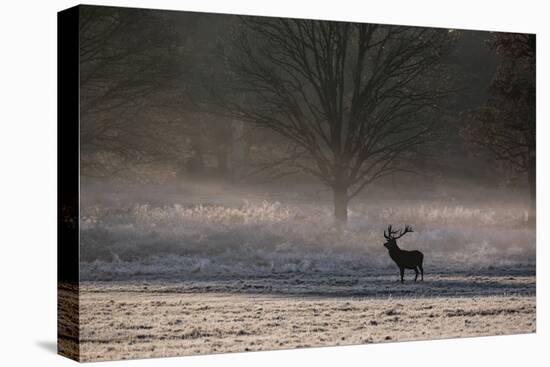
182	279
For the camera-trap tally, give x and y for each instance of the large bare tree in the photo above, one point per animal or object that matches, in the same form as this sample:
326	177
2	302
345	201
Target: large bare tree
354	99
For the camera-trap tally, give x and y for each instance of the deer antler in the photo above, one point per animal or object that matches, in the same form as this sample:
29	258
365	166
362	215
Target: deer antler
404	231
392	234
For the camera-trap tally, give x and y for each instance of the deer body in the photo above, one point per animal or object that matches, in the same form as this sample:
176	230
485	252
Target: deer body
403	258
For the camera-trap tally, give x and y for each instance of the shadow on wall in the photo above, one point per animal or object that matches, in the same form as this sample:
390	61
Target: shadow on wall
48	346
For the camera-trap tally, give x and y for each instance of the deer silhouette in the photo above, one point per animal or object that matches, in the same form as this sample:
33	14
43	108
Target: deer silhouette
404	259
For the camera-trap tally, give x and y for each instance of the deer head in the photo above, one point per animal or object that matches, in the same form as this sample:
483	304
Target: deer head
393	235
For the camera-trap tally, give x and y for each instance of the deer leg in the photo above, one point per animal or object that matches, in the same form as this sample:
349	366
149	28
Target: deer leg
421	272
402	271
416	274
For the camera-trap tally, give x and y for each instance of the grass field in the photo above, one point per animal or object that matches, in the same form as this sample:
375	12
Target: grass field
196	275
139	319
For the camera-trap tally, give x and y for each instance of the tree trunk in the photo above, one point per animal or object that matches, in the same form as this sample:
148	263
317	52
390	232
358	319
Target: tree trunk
341	201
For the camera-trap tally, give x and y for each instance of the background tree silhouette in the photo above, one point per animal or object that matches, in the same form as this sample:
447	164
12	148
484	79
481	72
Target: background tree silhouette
123	66
506	124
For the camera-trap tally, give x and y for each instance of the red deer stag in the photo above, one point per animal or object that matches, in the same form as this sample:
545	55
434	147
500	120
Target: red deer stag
404	259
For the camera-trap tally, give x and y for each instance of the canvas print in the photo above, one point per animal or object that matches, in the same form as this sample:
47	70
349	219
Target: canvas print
235	183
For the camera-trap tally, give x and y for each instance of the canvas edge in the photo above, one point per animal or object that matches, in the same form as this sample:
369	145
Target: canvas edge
68	328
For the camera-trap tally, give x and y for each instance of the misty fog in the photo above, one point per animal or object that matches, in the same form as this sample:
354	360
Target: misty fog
209	229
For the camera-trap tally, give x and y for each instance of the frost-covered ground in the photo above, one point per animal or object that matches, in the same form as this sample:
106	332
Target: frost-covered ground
137	319
174	274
